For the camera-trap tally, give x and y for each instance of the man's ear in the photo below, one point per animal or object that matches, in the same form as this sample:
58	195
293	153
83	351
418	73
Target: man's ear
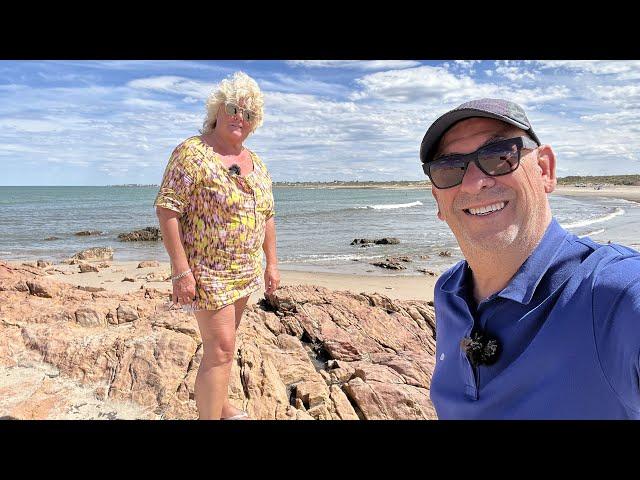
435	195
547	164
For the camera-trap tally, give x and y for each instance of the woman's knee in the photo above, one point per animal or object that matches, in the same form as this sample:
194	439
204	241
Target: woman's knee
218	352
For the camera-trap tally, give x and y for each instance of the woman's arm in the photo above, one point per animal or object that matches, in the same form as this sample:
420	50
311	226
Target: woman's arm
271	273
172	237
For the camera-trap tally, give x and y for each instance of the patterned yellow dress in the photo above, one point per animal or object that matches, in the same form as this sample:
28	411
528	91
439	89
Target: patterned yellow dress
223	220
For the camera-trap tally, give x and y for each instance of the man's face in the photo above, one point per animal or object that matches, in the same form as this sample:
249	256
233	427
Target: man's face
519	199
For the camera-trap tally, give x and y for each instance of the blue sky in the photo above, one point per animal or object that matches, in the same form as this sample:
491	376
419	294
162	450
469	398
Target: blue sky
78	122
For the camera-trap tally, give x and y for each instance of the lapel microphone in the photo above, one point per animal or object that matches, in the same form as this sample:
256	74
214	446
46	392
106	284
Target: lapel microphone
481	348
234	169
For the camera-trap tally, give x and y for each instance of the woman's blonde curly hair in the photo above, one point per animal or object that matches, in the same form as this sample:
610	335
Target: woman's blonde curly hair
239	87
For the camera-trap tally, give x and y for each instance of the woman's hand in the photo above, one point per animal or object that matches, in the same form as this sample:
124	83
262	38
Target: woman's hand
271	278
184	290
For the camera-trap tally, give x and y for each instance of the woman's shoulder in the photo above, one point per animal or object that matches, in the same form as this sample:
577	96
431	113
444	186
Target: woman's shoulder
189	144
189	148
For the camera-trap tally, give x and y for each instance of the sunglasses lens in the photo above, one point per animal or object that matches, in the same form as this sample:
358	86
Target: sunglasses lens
447	172
230	108
247	115
499	160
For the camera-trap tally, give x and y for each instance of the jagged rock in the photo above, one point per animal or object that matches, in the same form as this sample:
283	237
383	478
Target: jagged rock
85	267
146	234
148	263
85	233
426	272
43	288
156	277
128	279
125	313
104	265
30	264
305	353
43	264
52	238
93	254
88	317
389	264
380	241
445	253
90	289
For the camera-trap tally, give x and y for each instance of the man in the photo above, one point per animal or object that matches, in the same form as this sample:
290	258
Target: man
536	323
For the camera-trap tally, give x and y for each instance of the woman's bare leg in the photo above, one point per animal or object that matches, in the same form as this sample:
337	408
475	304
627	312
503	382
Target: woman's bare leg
218	331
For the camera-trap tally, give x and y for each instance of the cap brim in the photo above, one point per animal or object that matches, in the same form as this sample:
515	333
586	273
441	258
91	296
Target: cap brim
442	124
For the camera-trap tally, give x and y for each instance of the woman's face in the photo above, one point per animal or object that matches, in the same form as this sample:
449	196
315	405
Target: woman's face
234	121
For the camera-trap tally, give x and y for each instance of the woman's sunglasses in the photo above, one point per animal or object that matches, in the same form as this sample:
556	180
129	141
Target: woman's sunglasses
233	109
496	159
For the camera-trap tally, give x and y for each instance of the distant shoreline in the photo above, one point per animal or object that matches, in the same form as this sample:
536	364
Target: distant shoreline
625	192
587	183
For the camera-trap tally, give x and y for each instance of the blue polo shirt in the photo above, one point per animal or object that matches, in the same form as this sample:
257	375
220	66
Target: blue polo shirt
569	326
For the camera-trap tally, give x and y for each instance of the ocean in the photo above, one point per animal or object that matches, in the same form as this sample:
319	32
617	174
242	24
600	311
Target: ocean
315	226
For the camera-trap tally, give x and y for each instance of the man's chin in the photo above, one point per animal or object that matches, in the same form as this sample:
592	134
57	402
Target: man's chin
496	241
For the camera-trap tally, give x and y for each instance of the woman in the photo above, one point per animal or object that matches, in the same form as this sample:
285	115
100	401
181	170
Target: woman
215	208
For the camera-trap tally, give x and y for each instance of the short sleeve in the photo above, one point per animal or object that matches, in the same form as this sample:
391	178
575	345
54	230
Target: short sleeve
179	179
616	311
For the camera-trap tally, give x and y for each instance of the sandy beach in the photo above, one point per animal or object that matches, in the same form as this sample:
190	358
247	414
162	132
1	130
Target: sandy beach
616	191
402	287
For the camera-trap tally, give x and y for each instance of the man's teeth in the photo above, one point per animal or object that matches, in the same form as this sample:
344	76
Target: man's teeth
487	209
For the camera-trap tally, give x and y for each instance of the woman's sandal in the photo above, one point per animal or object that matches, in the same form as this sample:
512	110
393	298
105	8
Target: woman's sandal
236	417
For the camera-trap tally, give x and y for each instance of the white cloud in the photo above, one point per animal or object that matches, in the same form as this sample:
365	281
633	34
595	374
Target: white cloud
435	86
286	83
515	74
355	64
358	123
624	69
29	126
173	85
466	64
624	96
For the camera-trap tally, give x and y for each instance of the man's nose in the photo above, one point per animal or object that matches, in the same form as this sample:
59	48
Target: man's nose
475	180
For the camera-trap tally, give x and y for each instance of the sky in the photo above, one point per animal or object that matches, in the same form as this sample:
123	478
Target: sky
75	122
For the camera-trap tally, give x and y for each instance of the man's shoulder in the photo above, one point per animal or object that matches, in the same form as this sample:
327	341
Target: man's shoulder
616	272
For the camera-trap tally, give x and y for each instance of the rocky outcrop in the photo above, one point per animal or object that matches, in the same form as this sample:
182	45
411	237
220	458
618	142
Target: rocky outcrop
148	263
392	263
381	241
146	234
86	233
92	254
85	267
304	353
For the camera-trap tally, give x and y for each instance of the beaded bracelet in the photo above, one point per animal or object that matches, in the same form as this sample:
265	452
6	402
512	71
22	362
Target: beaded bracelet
183	274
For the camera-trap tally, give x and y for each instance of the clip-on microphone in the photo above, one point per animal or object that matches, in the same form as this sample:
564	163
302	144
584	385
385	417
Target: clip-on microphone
481	348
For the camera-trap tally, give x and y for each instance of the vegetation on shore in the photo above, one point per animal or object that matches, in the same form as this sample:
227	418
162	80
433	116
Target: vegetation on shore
570	181
356	183
601	180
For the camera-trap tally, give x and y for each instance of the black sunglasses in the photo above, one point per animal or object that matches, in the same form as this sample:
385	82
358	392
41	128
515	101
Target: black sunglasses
495	159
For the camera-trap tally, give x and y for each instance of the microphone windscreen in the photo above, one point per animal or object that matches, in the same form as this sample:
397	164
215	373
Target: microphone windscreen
481	348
